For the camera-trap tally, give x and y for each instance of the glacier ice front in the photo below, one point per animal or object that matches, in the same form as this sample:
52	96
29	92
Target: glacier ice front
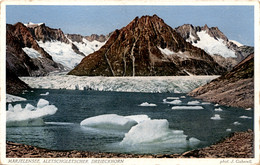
172	84
29	115
156	131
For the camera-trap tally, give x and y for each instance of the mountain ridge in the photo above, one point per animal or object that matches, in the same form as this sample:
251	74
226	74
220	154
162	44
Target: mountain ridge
139	49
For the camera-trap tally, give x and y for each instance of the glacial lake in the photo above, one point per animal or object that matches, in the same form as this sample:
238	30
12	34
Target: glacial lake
190	118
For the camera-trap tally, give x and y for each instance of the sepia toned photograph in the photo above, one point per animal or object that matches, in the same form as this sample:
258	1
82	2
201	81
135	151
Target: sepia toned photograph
137	83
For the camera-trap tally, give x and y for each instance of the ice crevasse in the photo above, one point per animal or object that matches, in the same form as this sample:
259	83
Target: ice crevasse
29	115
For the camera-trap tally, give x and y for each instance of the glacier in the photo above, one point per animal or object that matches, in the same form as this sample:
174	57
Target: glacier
215	47
29	115
167	84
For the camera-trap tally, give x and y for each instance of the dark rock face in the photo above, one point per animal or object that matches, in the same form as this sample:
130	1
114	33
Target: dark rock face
189	33
100	38
147	47
44	33
13	84
18	36
235	88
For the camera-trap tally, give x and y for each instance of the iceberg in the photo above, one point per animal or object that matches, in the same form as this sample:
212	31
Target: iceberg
218	109
228	129
45	94
236	123
172	102
245	117
193	102
170	84
146	104
30	115
172	98
156	132
109	121
216	117
187	107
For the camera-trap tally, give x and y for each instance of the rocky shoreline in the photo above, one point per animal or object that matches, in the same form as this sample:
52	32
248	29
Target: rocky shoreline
237	145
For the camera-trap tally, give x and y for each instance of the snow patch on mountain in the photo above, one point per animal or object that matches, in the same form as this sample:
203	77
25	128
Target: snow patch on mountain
31	52
31	24
237	43
62	53
88	47
213	46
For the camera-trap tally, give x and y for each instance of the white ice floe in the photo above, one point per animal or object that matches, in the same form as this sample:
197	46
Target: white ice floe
245	117
236	123
216	117
193	102
248	109
228	129
30	115
146	104
172	98
183	97
12	98
58	123
218	109
172	102
216	105
109	121
156	132
216	46
172	84
187	107
205	103
45	94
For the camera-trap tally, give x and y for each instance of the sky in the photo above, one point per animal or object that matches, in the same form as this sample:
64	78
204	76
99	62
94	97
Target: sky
236	22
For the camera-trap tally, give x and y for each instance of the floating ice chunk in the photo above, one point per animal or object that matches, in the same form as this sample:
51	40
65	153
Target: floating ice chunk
12	98
10	107
216	117
216	105
173	98
18	108
42	103
228	129
205	103
109	121
218	109
45	94
183	97
58	123
248	109
188	107
172	102
245	117
193	141
146	104
138	118
29	116
236	123
155	132
193	102
29	107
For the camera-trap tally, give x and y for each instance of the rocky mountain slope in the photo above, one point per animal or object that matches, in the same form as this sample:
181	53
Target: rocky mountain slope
227	53
235	88
147	47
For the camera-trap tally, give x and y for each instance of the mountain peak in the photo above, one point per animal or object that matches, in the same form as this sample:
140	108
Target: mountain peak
147	47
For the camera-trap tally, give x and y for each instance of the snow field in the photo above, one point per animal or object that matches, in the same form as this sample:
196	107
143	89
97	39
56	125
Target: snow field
30	115
31	52
215	47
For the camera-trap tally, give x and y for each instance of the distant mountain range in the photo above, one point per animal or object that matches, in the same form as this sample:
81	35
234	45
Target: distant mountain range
147	46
